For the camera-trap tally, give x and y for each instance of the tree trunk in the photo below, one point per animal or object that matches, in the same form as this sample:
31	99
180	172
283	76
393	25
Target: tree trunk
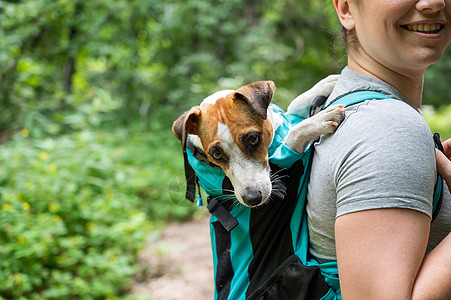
70	67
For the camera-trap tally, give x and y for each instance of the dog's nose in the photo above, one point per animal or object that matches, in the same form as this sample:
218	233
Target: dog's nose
252	196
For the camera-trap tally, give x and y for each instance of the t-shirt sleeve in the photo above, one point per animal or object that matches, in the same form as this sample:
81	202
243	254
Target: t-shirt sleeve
385	159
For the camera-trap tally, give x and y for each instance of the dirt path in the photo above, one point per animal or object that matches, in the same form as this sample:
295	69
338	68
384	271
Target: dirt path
179	264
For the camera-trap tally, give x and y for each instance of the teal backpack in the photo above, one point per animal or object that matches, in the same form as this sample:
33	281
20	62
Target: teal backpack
262	253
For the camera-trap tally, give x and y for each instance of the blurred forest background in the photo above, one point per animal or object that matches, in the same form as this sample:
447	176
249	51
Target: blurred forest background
88	94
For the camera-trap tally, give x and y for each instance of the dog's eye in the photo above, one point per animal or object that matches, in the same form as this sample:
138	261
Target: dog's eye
253	139
217	153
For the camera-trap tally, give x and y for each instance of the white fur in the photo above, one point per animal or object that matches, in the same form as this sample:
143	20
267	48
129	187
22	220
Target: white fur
243	172
300	106
275	119
214	97
195	139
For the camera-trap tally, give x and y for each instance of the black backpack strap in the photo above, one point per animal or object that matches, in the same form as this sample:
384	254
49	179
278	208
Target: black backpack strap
438	191
191	179
317	103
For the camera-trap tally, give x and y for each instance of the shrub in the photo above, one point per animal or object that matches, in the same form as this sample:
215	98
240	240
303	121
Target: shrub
75	210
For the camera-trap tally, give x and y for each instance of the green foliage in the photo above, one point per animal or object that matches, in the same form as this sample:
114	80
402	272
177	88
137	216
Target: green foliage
89	89
132	56
437	91
74	210
439	120
59	55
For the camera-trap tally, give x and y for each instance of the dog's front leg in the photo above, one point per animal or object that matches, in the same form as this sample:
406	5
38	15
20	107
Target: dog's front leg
301	105
325	121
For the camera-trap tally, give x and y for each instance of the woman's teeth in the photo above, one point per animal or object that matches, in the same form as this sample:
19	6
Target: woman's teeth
425	28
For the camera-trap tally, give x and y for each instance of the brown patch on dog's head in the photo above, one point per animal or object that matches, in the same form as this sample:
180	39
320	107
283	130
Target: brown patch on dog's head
235	133
249	130
257	95
186	124
245	114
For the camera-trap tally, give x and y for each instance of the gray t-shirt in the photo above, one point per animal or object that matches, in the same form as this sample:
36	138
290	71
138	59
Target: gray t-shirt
381	156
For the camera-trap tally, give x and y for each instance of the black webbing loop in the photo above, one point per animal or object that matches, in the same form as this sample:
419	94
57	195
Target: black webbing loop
191	179
221	213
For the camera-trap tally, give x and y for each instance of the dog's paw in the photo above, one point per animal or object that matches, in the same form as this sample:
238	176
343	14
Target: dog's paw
330	118
325	121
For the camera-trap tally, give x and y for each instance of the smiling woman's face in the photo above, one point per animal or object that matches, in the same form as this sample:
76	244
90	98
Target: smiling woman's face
402	35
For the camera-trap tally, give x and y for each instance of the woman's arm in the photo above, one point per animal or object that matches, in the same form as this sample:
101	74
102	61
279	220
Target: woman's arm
434	278
379	252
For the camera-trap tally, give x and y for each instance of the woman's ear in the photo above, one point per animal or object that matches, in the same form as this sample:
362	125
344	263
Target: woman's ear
345	14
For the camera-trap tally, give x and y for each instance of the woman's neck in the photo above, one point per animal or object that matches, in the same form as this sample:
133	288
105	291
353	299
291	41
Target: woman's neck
410	86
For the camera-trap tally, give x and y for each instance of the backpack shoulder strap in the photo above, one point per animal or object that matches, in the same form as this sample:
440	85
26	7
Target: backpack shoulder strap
364	95
438	191
357	97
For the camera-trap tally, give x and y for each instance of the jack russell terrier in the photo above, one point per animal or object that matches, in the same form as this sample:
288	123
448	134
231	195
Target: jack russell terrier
234	129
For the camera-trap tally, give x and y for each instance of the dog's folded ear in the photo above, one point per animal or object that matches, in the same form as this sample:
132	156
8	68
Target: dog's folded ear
258	95
186	124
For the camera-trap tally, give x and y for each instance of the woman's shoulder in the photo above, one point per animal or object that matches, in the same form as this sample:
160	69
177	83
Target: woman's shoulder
380	124
385	117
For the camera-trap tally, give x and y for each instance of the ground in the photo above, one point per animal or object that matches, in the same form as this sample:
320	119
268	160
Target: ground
178	262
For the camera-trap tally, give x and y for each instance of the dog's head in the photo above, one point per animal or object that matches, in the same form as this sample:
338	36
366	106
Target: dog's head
233	130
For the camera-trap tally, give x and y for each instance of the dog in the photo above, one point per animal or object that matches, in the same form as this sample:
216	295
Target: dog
234	129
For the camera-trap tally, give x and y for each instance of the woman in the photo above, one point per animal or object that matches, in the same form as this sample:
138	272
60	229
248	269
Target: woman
371	185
